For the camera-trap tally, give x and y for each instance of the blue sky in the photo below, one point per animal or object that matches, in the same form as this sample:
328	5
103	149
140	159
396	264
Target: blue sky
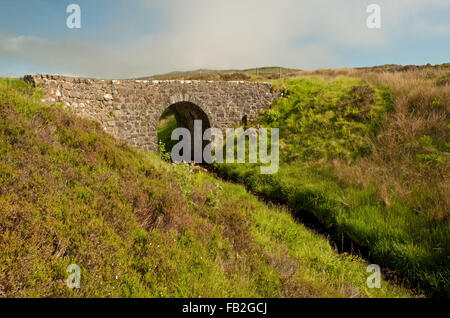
120	39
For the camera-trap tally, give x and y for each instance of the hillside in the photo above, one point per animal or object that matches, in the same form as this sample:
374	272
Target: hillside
140	227
365	157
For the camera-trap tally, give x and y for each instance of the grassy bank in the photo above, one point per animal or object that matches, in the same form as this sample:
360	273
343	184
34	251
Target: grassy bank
366	153
139	227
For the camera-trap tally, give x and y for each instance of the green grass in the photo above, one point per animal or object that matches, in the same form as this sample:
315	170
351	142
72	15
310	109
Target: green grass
166	125
328	124
139	227
326	120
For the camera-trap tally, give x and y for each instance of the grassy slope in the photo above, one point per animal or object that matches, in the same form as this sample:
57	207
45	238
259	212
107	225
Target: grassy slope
368	164
139	227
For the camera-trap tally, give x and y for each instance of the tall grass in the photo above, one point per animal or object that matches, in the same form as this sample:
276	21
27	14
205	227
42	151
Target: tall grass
366	152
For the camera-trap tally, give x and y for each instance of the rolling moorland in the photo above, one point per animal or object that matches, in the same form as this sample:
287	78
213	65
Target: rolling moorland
140	227
364	162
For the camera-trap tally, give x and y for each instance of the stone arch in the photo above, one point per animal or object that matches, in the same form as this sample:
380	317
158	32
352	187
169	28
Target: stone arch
130	109
186	112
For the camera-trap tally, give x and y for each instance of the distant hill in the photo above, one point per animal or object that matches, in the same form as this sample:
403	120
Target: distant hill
275	72
270	72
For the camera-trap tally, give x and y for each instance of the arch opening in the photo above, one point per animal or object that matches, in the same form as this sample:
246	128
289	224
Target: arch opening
180	115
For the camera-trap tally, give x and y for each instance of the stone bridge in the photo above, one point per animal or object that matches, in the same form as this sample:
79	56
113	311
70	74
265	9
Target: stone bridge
130	109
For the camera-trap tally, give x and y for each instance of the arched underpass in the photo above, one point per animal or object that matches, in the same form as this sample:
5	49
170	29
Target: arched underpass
181	115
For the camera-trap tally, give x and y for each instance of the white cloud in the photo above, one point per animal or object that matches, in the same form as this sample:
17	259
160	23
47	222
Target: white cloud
226	34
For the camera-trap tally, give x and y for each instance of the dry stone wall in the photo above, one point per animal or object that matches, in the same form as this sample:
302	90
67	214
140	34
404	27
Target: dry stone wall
130	109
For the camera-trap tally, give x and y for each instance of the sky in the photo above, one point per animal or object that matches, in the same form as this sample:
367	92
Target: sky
134	38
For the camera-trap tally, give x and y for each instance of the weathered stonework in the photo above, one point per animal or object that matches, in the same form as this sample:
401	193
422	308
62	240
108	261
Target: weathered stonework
130	109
